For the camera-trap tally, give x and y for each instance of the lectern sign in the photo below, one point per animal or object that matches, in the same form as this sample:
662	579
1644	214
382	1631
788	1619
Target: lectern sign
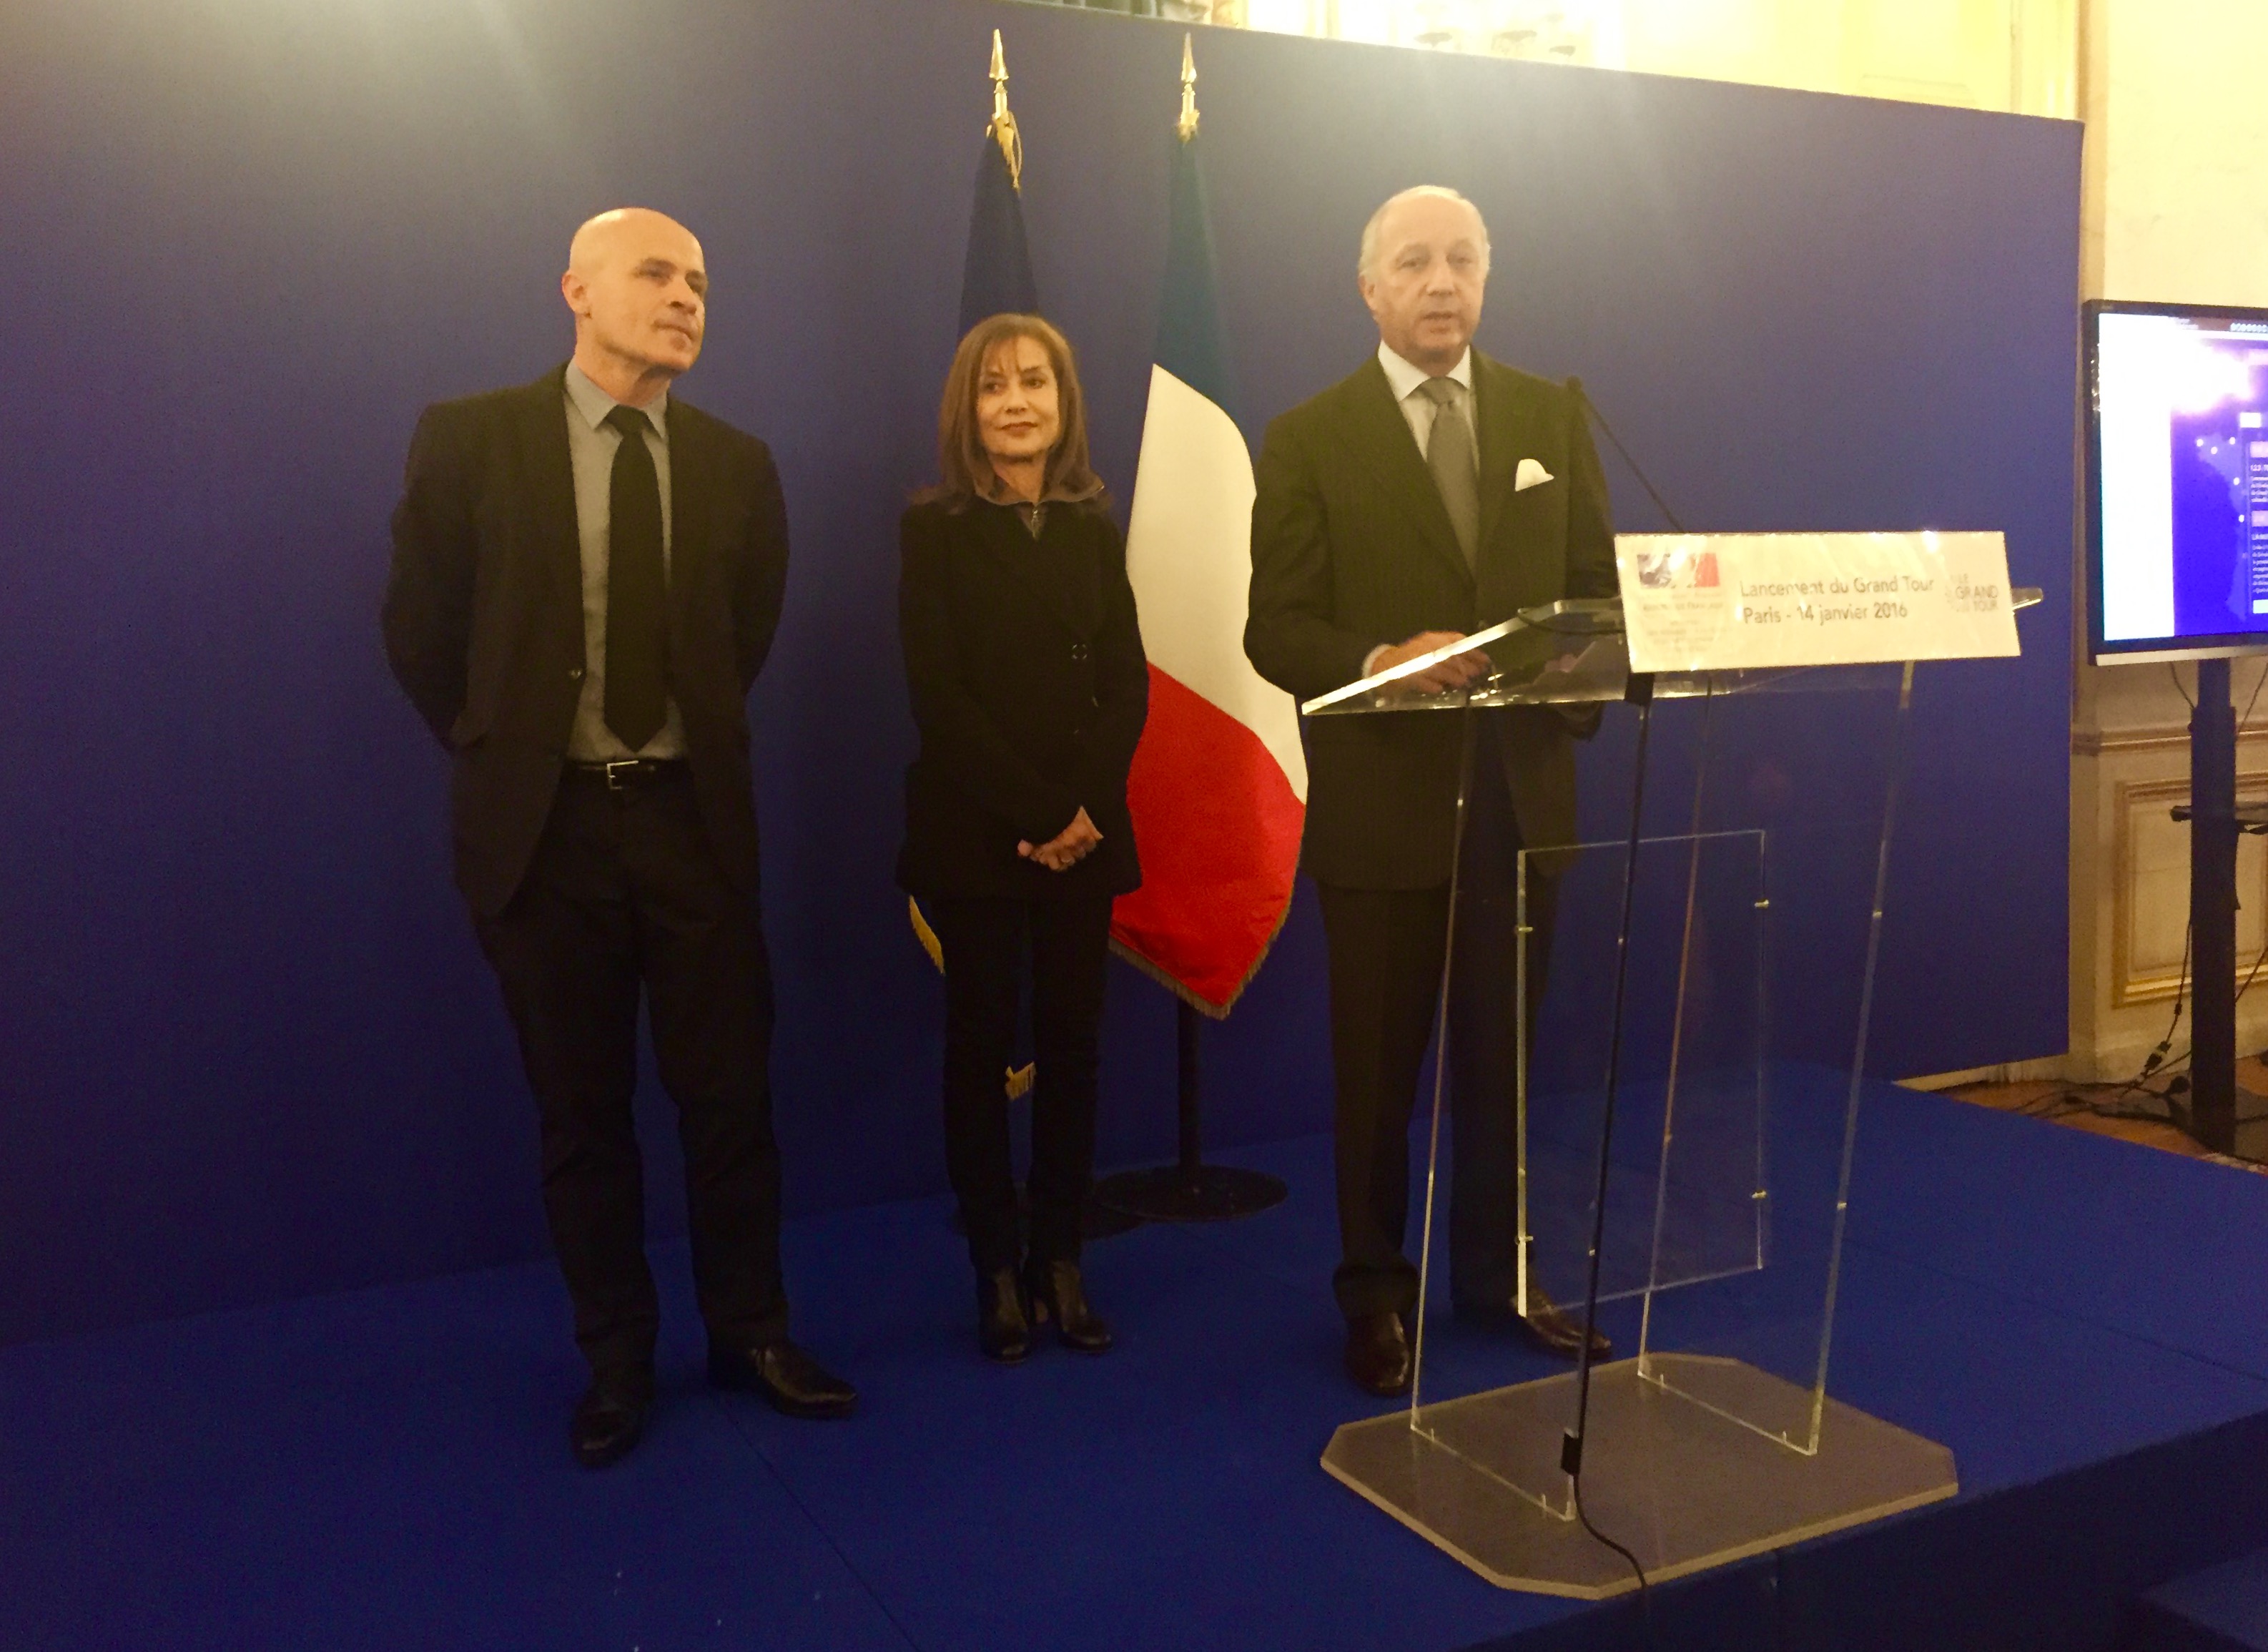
1755	602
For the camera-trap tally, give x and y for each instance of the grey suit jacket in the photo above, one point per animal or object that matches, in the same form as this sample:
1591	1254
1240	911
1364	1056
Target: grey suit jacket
1352	547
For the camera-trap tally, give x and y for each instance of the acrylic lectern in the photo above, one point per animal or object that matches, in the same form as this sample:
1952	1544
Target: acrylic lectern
1712	976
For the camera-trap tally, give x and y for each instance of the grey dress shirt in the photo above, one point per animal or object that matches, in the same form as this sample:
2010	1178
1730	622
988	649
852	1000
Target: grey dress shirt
591	444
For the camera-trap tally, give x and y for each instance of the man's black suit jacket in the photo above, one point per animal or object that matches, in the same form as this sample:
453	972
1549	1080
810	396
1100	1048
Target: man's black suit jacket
1351	547
483	614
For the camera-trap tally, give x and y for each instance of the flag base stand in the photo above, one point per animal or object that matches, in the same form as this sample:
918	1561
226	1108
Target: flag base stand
1190	1190
1105	1221
1196	1192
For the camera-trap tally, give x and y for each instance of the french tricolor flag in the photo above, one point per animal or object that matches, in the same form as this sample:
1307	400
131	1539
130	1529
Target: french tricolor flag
1219	788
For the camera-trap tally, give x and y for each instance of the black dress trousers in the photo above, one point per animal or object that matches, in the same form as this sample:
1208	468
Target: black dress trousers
1386	949
625	897
985	943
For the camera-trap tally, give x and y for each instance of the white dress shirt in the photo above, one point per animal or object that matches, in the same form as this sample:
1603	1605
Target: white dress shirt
1420	410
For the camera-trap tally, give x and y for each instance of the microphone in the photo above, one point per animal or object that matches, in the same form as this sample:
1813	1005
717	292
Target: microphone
1591	409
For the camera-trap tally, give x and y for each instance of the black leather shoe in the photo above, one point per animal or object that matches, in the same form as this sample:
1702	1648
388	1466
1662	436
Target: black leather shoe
1378	1354
784	1374
1556	1331
1059	1293
609	1419
1003	1330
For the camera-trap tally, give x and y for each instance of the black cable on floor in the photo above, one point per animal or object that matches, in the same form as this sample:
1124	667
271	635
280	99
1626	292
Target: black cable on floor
1645	1588
2151	1062
1641	694
1571	1447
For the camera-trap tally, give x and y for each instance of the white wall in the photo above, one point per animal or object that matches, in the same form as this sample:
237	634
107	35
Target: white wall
2177	137
2176	207
2012	54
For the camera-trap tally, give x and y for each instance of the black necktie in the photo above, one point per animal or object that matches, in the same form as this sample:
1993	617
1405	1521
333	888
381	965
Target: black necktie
638	607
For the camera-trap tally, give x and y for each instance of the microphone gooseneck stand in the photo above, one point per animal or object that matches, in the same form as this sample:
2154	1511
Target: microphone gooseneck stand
1639	693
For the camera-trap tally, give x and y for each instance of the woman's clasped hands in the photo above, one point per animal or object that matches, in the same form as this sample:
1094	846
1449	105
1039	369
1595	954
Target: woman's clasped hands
1067	848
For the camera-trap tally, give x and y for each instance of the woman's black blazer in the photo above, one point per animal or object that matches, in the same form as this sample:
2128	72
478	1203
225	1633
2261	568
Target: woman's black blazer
1029	686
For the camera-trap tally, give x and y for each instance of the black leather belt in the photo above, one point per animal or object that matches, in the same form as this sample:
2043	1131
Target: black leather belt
629	772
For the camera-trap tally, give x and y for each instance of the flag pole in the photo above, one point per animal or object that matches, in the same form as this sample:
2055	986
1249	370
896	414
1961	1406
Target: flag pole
1188	1190
996	276
1002	128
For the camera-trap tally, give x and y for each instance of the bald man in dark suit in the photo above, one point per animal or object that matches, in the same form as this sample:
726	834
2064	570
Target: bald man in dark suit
587	573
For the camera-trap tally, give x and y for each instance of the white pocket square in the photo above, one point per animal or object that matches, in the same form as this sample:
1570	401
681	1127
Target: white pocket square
1528	476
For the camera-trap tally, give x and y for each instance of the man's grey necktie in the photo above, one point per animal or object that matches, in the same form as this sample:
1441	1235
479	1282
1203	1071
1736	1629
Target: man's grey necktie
1452	457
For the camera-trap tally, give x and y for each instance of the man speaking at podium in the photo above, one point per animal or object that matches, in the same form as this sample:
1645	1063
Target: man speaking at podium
1430	494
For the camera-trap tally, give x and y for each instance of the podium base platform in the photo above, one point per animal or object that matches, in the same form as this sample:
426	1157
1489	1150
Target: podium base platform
1204	1193
1667	1474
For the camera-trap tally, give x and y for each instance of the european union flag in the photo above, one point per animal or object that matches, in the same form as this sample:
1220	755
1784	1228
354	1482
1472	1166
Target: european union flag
996	278
998	275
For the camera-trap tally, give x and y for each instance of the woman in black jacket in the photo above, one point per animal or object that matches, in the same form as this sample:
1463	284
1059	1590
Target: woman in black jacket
1030	688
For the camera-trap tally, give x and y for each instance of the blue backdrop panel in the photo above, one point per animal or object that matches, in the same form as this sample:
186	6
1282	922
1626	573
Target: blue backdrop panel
250	1048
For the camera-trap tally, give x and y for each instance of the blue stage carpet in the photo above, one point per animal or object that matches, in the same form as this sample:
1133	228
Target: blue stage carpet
2077	1318
2222	1609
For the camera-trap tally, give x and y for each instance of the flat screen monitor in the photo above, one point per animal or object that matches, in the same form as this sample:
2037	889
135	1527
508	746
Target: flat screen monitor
2177	481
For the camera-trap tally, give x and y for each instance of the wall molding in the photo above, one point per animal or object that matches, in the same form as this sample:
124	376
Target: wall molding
2129	987
2051	1067
2095	743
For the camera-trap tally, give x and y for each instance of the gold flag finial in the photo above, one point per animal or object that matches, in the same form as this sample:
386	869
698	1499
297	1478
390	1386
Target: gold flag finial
1003	128
1187	126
